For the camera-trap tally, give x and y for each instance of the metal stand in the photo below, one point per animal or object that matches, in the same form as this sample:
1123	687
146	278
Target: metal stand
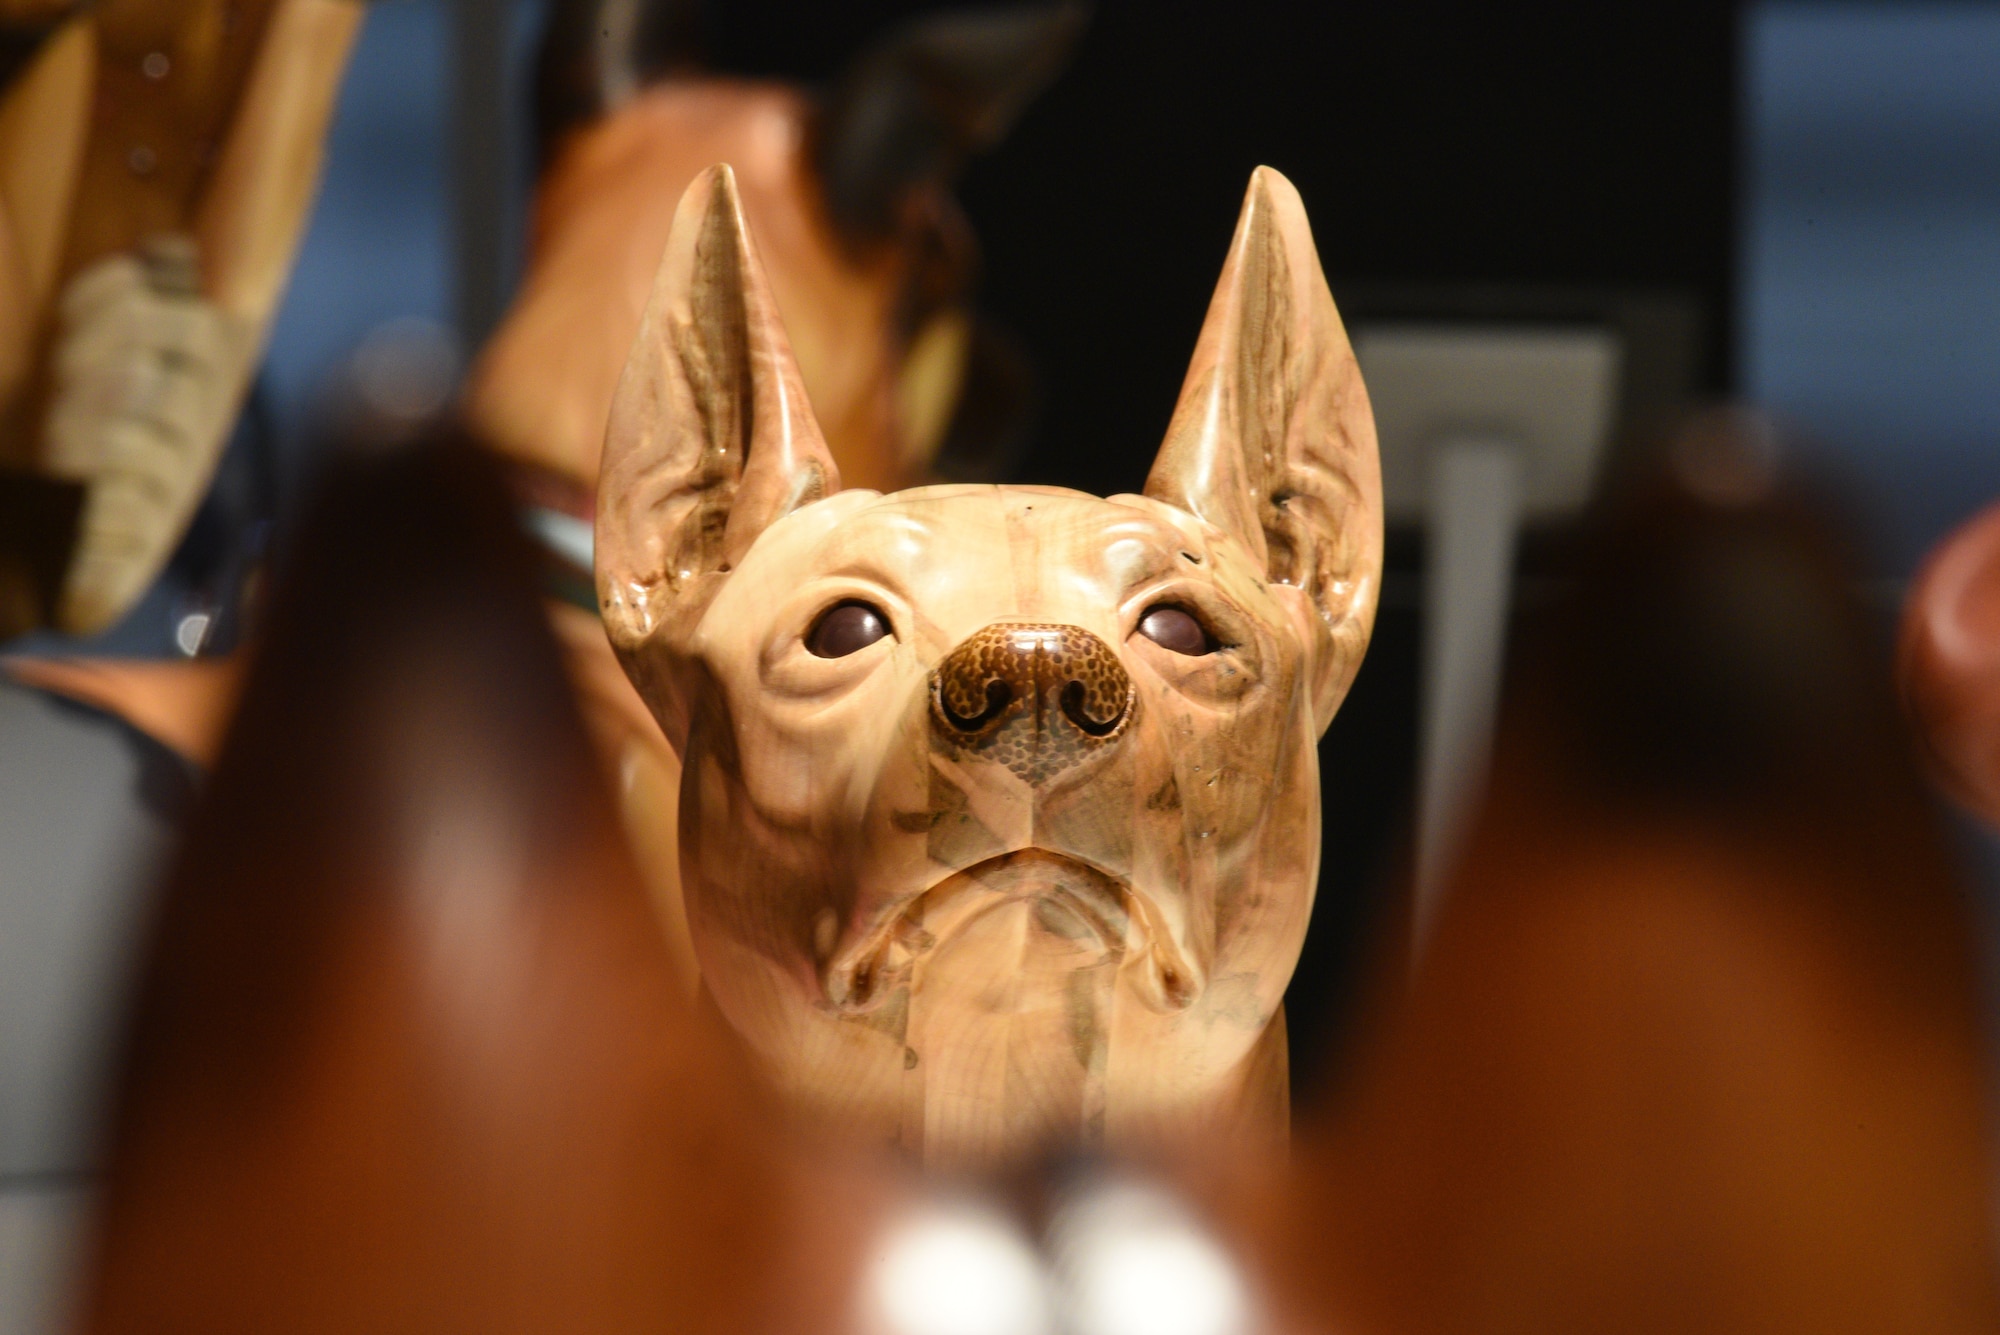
1475	506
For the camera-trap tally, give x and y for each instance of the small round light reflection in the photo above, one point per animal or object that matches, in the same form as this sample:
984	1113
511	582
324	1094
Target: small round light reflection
405	370
1036	639
955	1269
1131	1260
191	633
1727	457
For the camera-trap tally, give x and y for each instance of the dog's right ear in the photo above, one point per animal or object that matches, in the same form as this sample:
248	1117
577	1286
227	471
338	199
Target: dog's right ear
711	438
1273	440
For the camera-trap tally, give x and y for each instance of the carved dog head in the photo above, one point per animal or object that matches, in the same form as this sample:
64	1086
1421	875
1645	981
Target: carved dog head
999	809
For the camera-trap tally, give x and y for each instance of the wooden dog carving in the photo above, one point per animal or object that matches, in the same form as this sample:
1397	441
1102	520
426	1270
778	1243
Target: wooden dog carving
999	804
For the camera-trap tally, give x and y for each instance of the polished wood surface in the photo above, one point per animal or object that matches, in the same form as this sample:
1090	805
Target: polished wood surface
642	771
253	214
991	865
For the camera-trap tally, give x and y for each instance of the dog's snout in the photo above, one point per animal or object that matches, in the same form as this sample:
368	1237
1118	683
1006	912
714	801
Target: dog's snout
1037	697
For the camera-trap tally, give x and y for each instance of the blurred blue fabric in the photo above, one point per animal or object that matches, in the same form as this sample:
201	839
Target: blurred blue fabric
1869	306
379	247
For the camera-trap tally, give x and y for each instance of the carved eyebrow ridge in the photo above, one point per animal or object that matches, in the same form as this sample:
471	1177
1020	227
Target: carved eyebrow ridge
856	547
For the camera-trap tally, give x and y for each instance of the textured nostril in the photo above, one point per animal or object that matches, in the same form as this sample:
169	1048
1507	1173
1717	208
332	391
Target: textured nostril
1037	697
1088	709
998	696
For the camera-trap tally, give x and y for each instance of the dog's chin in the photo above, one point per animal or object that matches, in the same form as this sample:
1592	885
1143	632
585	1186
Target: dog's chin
1076	908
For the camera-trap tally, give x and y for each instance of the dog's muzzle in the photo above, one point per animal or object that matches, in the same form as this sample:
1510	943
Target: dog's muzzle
1037	698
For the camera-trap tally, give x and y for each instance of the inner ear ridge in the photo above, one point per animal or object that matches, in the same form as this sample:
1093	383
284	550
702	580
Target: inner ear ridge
1266	370
1267	380
716	341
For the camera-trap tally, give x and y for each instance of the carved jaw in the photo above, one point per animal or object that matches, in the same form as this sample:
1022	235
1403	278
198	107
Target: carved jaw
1071	901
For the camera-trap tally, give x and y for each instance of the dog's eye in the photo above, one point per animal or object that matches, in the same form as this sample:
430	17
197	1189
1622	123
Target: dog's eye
1175	629
847	628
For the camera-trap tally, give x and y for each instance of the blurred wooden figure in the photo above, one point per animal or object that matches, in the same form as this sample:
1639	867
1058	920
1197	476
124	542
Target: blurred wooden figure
869	258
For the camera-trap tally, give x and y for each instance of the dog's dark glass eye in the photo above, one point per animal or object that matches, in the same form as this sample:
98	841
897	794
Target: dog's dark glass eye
1176	629
847	628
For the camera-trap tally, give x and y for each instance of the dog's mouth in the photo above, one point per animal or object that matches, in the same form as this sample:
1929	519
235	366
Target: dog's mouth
1073	902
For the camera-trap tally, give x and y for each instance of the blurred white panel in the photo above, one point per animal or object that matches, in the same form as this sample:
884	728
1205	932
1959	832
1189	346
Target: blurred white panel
1475	493
1550	392
40	1229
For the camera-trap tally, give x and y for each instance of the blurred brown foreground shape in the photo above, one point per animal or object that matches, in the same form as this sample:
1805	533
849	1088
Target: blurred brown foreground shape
407	1053
1696	1044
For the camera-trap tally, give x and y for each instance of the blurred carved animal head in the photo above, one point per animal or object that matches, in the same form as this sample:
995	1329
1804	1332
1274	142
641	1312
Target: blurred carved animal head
999	804
868	255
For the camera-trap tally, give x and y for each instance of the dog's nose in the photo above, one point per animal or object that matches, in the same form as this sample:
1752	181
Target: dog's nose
1037	697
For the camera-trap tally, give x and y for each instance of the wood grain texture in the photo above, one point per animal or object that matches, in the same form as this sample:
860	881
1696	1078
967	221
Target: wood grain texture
1065	917
1273	440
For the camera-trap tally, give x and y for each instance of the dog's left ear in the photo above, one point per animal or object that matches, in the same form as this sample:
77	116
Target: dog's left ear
1273	441
710	441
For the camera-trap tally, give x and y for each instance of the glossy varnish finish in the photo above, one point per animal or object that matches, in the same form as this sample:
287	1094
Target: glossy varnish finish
1024	870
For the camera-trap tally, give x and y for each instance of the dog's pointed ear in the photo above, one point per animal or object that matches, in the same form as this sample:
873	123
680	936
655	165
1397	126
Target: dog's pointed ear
1273	441
711	438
